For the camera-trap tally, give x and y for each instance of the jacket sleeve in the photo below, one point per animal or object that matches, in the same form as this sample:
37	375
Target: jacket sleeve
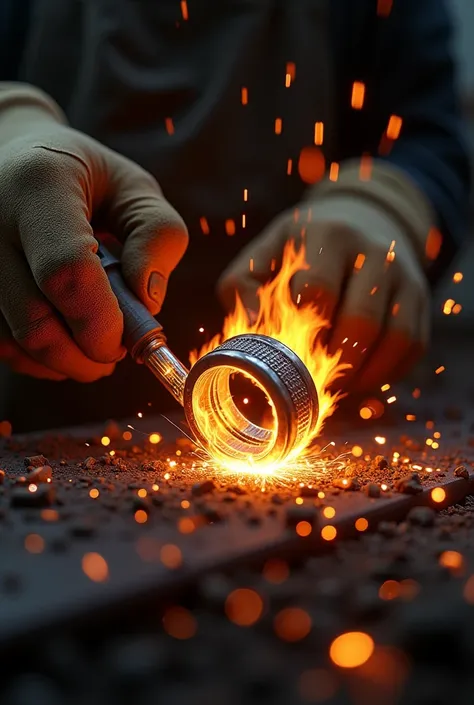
414	79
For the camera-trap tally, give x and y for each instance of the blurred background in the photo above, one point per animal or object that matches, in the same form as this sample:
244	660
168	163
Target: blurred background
453	335
464	45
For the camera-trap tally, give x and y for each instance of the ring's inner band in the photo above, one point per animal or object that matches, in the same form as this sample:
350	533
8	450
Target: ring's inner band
232	434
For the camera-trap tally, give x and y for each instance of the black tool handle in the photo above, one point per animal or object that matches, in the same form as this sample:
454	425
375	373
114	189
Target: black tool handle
139	325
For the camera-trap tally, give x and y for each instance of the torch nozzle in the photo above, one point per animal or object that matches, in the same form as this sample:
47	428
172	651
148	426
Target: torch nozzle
166	367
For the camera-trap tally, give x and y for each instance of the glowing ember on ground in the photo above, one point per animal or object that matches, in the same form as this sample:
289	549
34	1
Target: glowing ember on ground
301	329
351	650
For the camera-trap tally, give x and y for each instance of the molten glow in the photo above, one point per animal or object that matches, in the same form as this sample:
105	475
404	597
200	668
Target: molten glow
186	525
230	227
433	244
170	556
141	517
453	560
34	543
49	515
365	171
292	624
359	261
438	495
179	623
301	329
318	133
384	7
290	73
351	649
154	438
204	225
244	607
328	533
448	306
358	95
361	524
394	127
95	567
389	590
334	171
276	571
311	165
303	528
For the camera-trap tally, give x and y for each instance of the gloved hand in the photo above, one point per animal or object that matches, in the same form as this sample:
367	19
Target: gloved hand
59	317
378	308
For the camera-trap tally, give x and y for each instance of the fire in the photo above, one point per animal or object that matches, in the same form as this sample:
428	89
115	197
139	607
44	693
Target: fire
300	327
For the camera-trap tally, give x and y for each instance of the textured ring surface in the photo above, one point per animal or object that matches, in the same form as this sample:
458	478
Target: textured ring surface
278	371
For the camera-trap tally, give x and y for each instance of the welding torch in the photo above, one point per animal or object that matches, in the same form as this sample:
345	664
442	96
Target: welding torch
204	391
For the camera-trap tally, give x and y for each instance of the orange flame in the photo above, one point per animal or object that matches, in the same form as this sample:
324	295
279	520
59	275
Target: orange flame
300	327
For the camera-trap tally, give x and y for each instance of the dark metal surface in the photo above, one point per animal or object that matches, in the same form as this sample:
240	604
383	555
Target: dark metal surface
39	591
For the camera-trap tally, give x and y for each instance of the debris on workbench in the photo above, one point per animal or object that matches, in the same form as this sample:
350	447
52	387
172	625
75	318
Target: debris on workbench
410	484
114	512
422	516
203	487
43	473
36	461
462	471
372	490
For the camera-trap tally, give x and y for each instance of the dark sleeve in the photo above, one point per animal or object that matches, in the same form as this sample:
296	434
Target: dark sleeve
14	19
415	79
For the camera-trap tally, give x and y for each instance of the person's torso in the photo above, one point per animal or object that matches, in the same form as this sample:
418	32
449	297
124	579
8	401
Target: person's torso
216	99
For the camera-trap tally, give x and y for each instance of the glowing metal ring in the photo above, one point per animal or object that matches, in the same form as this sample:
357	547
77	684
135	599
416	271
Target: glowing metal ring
278	372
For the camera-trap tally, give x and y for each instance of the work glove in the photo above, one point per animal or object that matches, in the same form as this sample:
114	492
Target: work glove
59	317
364	243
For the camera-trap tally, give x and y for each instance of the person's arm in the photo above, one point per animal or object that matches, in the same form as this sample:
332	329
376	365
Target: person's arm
431	147
410	74
59	318
370	234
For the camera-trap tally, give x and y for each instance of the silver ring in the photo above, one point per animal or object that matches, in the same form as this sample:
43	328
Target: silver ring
220	426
